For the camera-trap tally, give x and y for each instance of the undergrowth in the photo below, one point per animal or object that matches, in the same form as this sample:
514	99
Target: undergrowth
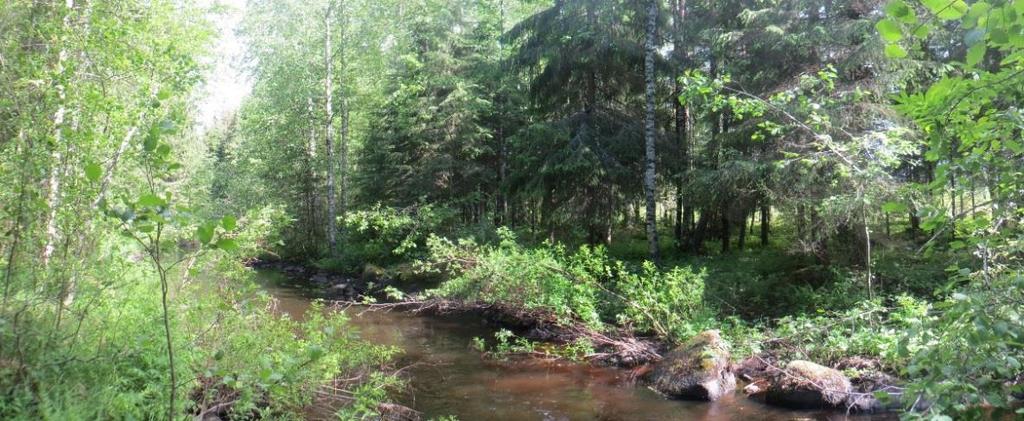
104	358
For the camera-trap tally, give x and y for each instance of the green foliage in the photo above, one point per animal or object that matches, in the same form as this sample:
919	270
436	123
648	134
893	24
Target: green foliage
670	303
384	236
509	343
586	286
121	230
275	365
867	330
230	349
971	131
975	348
113	258
543	279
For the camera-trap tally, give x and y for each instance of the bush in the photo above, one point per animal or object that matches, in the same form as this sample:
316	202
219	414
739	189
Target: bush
975	350
383	235
532	279
868	330
669	304
585	286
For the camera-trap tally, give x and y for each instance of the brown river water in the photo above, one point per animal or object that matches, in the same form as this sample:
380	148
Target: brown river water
449	377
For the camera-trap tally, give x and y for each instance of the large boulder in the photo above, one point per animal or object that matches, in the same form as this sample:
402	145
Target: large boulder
698	369
806	385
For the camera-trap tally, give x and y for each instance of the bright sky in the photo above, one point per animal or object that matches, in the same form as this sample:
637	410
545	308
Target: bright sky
227	85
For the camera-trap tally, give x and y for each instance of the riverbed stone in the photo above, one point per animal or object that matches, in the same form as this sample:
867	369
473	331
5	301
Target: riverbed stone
806	385
698	369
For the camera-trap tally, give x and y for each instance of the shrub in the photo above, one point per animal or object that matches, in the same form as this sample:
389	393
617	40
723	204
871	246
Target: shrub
383	235
585	286
669	304
868	330
532	279
975	348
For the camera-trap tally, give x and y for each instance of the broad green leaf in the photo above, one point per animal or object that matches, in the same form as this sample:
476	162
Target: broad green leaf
150	200
894	207
227	244
204	233
228	222
922	31
93	172
975	54
889	29
975	36
946	9
152	140
897	9
895	51
976	16
999	36
1013	145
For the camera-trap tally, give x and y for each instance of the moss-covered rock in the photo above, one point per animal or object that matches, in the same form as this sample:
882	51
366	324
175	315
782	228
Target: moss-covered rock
806	385
373	273
698	369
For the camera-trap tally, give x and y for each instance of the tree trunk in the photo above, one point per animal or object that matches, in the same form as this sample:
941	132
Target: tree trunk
801	223
53	195
343	161
650	194
501	207
332	225
726	228
766	219
743	233
681	120
310	186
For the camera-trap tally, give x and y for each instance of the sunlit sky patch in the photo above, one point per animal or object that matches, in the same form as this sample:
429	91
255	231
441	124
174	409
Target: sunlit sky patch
227	84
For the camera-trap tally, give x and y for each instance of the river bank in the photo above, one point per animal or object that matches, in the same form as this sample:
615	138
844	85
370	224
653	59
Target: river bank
448	377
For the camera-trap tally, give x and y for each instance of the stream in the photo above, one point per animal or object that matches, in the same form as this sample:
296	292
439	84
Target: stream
448	377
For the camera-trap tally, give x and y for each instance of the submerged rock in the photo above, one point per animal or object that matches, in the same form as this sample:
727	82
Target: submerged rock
698	369
806	385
